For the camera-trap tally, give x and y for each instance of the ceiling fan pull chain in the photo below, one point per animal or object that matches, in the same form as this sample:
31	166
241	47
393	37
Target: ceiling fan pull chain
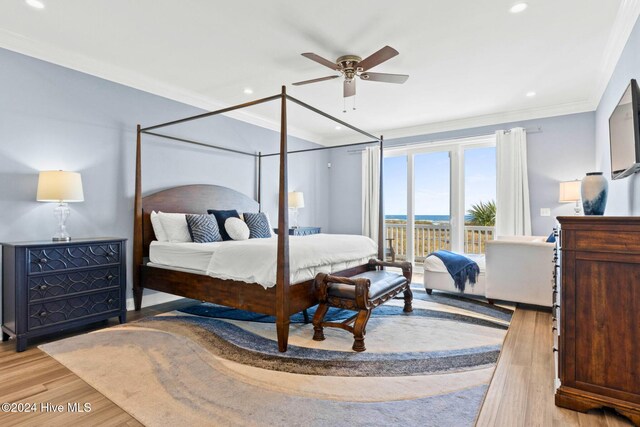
344	105
354	102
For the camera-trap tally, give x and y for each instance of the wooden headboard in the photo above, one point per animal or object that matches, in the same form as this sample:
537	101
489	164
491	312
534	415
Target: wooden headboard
194	199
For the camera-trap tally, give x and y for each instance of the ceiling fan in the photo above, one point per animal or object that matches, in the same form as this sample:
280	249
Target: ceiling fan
352	66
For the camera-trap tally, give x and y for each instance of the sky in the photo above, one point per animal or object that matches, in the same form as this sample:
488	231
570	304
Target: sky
432	176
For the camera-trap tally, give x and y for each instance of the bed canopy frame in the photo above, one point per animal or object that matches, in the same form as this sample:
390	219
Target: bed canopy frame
245	296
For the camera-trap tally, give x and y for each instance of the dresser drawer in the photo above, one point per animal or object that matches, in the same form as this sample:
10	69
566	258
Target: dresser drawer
59	285
63	310
49	259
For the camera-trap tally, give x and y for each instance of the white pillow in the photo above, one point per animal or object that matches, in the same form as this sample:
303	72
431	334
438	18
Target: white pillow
161	236
175	226
270	226
237	229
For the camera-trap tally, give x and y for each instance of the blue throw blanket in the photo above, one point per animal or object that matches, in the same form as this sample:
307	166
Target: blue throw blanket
461	268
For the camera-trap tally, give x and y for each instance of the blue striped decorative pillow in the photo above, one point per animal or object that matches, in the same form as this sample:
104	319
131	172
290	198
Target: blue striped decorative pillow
203	228
258	224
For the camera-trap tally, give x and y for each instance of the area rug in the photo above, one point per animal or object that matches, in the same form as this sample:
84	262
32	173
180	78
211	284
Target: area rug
211	365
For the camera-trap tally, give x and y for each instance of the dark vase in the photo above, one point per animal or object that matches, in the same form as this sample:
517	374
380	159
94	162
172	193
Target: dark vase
594	191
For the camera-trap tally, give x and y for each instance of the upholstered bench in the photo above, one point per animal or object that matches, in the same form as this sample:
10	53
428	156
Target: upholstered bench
362	293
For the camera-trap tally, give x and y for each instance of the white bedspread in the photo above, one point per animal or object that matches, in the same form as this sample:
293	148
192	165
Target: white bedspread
254	260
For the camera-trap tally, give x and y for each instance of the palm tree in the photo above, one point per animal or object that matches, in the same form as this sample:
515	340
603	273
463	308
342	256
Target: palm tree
483	214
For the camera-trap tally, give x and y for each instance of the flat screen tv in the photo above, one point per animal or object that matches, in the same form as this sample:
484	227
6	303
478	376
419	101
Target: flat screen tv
624	134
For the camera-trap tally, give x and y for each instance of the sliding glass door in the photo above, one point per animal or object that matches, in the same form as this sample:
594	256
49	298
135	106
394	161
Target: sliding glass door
432	206
440	196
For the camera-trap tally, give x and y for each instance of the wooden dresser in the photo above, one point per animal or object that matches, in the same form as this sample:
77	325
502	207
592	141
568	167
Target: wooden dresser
50	286
597	314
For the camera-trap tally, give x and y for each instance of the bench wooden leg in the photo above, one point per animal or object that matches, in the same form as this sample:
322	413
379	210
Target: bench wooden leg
408	298
359	328
321	311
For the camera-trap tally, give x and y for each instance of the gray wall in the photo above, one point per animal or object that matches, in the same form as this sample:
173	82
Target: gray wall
624	194
562	151
56	118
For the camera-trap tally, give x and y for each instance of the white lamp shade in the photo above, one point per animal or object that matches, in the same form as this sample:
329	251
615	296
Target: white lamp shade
296	199
59	186
569	191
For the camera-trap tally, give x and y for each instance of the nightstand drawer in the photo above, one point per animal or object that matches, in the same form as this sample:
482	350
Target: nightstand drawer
67	309
60	285
57	258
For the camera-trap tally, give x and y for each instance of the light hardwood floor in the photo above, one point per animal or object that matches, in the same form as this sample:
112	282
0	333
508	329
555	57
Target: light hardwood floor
521	391
520	394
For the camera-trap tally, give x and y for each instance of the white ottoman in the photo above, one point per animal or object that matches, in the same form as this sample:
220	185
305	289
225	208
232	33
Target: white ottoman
437	277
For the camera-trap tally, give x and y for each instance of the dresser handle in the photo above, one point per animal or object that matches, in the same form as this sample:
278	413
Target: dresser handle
555	350
42	260
43	287
43	314
110	276
111	254
554	329
110	300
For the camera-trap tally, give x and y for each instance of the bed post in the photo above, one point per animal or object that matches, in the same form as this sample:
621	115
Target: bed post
259	179
381	204
282	276
137	226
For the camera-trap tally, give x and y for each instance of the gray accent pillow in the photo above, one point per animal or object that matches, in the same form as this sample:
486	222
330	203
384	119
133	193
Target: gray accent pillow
203	228
258	224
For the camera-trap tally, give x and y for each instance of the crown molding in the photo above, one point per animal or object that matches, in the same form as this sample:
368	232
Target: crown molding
55	55
626	18
479	121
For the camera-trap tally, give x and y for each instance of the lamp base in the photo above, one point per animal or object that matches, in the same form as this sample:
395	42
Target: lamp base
576	209
61	213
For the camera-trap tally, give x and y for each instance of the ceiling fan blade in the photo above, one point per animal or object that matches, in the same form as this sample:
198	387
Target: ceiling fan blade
384	77
377	58
321	79
349	88
321	60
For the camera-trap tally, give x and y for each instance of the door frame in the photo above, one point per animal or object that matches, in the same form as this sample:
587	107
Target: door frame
456	149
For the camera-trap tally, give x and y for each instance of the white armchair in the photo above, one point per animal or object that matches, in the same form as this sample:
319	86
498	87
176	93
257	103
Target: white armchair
520	269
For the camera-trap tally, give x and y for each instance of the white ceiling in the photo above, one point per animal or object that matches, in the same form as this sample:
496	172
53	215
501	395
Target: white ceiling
471	62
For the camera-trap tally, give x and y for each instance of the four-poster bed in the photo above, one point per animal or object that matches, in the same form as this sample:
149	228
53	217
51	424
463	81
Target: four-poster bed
283	299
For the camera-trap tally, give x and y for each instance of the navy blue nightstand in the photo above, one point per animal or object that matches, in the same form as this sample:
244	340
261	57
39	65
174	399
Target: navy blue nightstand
52	286
302	231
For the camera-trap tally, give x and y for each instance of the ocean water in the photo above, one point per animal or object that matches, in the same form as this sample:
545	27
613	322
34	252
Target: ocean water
434	218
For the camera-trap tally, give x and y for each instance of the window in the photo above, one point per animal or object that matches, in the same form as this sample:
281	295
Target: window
440	196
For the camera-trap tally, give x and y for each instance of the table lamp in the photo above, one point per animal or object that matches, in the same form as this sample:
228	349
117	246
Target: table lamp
61	187
296	201
570	193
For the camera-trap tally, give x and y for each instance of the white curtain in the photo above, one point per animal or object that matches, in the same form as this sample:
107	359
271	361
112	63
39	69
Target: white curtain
513	215
370	191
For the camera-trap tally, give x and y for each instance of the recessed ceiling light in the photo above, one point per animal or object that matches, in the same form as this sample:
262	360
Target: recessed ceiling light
530	94
338	127
37	4
518	7
248	91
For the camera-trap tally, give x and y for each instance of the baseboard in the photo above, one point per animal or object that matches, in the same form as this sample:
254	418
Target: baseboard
152	298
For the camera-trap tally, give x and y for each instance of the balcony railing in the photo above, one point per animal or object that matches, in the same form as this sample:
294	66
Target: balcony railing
432	237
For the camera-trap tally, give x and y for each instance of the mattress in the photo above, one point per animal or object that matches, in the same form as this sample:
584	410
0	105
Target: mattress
190	256
254	260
